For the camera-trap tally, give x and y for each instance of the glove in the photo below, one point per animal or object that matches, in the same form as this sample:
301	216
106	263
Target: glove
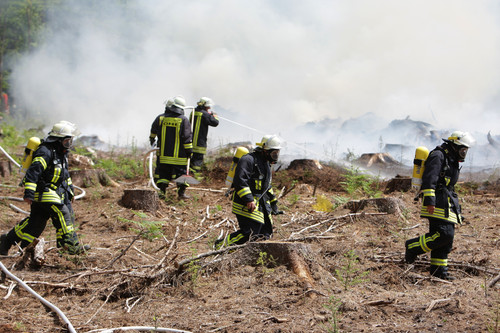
275	210
189	152
152	141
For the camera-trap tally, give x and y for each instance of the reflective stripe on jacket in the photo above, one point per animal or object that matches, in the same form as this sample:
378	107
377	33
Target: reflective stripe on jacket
438	185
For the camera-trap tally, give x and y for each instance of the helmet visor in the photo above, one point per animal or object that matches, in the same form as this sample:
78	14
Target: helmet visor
462	152
274	155
67	142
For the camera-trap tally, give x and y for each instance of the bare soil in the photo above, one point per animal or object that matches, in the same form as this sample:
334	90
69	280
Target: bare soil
354	276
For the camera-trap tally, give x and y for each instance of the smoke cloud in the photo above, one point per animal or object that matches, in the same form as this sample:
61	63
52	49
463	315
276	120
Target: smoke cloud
269	65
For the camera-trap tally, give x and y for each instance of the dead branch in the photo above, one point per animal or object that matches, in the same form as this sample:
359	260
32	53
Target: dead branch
160	264
436	301
124	251
179	265
379	302
493	281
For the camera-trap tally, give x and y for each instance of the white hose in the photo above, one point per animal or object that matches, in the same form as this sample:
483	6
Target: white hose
40	298
9	157
150	156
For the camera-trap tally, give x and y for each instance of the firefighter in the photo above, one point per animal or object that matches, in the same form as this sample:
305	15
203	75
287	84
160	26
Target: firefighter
171	132
440	204
253	200
49	191
203	118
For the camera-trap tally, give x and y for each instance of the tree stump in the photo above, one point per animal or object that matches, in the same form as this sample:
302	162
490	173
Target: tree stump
399	184
288	254
140	199
91	177
5	168
385	205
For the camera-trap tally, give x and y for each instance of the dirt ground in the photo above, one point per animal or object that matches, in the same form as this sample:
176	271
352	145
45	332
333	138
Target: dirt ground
343	271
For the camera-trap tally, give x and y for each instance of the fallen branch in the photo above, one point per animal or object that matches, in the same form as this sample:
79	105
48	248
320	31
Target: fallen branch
379	302
124	251
494	281
436	301
69	326
181	263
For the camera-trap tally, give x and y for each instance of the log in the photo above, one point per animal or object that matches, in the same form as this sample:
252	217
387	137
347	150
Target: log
140	199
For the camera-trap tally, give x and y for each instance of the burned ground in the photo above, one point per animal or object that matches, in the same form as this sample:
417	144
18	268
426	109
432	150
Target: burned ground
141	269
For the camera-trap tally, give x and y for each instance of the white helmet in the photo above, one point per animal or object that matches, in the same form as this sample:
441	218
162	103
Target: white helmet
179	101
169	102
461	139
64	129
269	142
206	102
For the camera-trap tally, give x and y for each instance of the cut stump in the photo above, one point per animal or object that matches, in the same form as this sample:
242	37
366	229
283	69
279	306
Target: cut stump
289	254
140	199
385	205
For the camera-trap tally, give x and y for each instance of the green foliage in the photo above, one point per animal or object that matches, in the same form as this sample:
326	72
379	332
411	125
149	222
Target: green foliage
349	274
265	261
293	199
149	230
13	138
121	166
194	270
333	306
359	185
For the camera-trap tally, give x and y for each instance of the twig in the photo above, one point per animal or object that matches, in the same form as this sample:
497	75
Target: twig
379	302
129	308
105	301
160	264
124	251
208	254
409	228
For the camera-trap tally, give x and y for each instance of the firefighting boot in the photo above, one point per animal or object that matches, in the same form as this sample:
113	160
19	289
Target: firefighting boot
412	251
441	272
69	243
5	245
181	192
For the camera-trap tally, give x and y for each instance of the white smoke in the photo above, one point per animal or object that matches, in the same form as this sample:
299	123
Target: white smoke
270	65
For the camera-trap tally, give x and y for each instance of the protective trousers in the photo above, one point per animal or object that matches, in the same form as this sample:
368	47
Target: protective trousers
196	164
31	227
438	241
249	230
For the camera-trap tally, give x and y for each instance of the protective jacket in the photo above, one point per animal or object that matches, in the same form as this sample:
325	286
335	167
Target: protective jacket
47	180
174	137
438	185
202	120
252	182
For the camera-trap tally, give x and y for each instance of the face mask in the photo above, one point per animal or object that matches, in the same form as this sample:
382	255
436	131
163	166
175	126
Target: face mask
67	143
274	155
462	152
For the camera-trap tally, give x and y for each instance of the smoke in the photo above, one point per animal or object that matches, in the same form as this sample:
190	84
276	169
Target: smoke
270	65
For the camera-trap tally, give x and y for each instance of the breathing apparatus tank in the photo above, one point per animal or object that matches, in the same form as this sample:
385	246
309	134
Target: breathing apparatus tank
421	154
240	151
31	146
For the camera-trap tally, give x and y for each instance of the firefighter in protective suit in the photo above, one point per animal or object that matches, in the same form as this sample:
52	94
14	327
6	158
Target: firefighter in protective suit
175	145
49	190
253	200
440	203
202	117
